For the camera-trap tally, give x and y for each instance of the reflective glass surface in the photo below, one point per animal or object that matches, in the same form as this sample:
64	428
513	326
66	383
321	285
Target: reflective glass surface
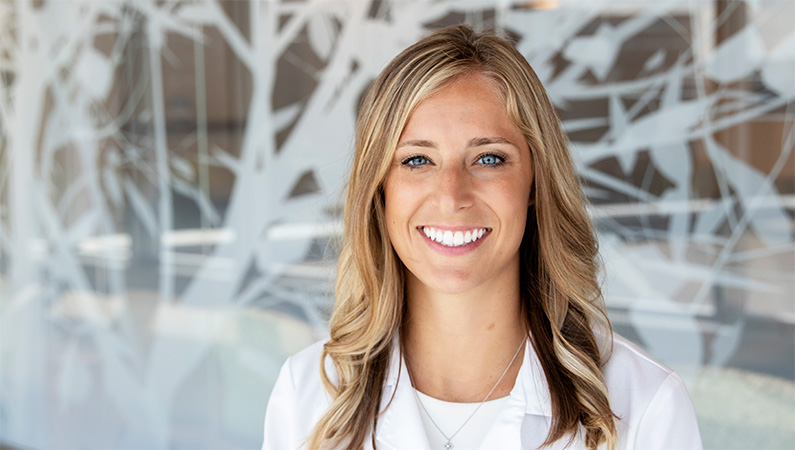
171	178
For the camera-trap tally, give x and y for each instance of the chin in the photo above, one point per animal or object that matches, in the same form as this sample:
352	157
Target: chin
450	284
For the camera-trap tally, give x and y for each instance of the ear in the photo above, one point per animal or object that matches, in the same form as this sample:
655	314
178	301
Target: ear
532	200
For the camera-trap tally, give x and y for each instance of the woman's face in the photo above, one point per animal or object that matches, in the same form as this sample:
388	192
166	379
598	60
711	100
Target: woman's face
458	189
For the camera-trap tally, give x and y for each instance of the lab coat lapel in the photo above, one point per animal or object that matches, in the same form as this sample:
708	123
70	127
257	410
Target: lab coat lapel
506	431
530	395
400	427
534	384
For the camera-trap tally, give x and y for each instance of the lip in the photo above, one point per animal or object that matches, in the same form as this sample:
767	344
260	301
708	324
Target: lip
461	249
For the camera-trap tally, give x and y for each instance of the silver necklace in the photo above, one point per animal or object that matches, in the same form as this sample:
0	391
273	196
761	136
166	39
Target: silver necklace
449	445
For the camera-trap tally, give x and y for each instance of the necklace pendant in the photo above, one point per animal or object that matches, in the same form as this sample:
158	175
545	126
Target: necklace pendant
448	445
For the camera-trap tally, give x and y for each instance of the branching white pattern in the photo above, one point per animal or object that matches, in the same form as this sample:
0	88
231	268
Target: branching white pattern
146	332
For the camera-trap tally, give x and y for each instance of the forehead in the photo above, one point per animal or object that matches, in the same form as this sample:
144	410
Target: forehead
473	85
468	105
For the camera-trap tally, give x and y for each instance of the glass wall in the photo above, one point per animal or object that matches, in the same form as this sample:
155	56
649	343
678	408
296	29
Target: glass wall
171	174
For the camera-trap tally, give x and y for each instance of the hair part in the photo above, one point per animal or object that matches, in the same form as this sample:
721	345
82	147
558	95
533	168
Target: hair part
561	298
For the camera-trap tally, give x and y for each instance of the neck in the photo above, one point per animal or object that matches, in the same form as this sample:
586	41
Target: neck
457	345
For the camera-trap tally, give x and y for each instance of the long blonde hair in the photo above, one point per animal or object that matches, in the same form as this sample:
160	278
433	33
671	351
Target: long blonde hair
561	298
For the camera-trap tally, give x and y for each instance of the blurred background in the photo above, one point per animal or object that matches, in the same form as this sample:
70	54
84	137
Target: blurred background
171	176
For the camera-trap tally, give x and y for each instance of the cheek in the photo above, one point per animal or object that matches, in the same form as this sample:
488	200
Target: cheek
515	210
392	211
397	200
389	199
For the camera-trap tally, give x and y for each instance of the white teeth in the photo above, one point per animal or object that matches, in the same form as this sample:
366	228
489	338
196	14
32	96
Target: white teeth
453	239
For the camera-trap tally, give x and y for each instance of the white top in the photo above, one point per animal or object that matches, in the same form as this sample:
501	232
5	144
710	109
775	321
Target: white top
651	401
451	416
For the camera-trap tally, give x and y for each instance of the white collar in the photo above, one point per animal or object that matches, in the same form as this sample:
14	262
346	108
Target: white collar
531	378
530	395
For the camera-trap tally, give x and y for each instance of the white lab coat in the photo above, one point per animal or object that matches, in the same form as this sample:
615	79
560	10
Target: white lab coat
651	401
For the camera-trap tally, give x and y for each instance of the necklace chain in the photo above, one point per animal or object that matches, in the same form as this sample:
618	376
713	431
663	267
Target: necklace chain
449	445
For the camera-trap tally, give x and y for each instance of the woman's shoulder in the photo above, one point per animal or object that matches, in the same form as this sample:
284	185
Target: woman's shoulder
297	401
648	397
308	355
632	370
304	366
628	359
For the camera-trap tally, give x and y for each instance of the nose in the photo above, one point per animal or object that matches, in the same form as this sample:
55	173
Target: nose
454	190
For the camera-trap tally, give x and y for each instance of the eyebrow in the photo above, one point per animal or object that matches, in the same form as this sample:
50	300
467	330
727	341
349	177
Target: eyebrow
417	143
476	142
479	142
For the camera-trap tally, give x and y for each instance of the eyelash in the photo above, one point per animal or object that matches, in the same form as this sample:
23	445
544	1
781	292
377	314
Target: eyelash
408	159
500	160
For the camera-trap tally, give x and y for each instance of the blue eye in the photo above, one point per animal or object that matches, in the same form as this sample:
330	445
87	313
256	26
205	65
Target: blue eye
490	160
415	161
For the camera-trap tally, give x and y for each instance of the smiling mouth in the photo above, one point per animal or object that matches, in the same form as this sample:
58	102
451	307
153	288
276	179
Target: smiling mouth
450	238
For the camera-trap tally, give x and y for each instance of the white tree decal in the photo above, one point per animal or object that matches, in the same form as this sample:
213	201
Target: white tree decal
114	314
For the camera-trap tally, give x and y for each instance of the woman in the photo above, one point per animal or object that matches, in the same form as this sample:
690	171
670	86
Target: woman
468	314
